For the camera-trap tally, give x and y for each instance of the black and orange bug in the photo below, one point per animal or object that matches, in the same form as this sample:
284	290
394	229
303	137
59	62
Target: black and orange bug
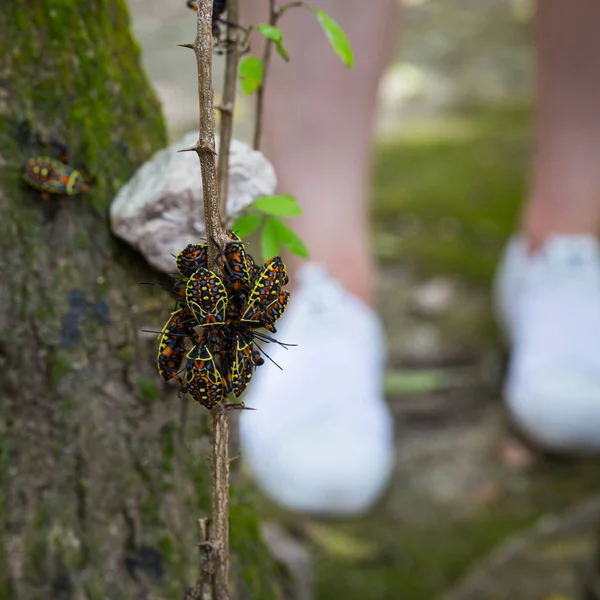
242	365
171	347
268	284
238	266
50	175
206	297
273	311
238	276
217	339
191	258
170	356
202	380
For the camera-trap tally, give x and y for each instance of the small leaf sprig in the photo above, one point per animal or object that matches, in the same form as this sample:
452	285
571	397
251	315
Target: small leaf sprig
252	70
267	211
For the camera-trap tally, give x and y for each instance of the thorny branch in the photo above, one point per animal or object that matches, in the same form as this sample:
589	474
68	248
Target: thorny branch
214	547
205	147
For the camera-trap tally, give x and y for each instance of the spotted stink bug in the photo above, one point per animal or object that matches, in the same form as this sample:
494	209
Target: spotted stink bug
202	379
242	366
206	297
272	278
273	311
192	258
51	176
238	266
171	347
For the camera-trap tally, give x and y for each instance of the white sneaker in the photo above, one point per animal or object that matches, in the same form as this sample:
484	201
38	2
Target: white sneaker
321	439
550	304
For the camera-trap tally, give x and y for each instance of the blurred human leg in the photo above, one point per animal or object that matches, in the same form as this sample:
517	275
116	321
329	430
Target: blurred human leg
321	439
565	182
549	282
318	127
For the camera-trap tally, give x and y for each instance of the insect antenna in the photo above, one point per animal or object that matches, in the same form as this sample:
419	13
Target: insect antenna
169	333
265	354
162	287
263	337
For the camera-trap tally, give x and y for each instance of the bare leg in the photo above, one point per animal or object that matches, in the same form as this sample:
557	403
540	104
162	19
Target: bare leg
322	438
318	126
565	179
550	298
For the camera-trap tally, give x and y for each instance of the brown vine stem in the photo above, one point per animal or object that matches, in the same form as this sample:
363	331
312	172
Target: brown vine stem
215	535
260	93
275	14
228	100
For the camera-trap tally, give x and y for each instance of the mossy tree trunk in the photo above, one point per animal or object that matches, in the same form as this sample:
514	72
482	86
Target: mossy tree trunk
101	478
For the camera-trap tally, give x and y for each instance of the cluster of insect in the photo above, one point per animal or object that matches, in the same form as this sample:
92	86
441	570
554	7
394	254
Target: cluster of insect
222	318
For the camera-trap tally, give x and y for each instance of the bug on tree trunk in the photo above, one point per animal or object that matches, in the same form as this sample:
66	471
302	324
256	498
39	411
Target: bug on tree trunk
50	175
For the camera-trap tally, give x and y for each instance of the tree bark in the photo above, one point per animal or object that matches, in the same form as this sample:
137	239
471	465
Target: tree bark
102	477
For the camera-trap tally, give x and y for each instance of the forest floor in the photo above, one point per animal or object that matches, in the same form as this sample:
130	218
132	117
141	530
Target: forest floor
446	194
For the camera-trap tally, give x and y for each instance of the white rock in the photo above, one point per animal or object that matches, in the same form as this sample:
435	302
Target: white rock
160	209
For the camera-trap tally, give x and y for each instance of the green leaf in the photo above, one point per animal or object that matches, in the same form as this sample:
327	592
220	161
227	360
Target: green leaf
289	239
250	71
337	38
280	205
268	241
276	35
282	50
270	32
247	224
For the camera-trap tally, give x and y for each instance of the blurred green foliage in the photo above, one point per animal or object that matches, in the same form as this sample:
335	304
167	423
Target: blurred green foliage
446	195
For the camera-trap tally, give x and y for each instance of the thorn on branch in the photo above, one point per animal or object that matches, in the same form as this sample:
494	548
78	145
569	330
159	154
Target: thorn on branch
190	46
195	148
238	406
200	149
